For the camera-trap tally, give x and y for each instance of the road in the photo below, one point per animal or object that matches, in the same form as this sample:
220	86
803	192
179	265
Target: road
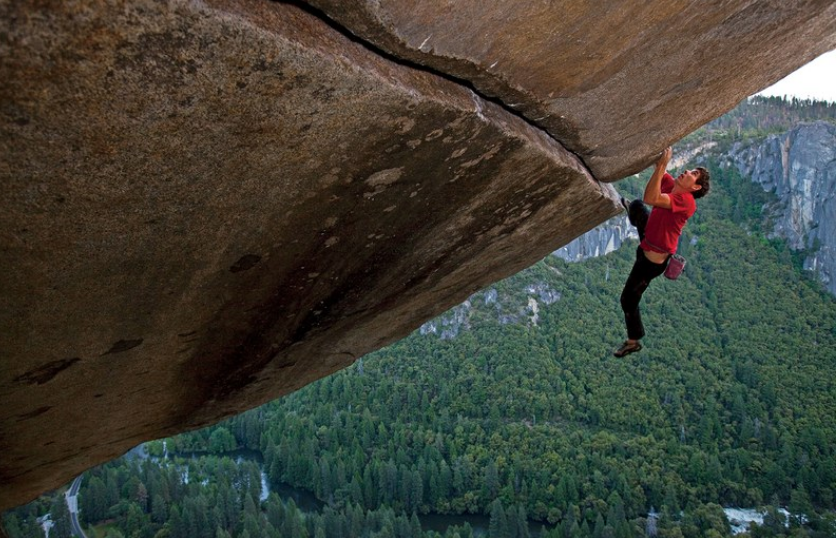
72	504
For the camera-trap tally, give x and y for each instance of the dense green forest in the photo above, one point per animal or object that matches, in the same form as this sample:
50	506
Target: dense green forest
731	403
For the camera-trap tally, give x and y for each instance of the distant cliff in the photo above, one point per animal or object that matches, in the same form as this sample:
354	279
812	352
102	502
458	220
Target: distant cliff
799	166
599	241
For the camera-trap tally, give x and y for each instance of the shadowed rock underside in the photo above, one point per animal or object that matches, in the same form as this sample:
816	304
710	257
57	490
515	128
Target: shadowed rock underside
614	81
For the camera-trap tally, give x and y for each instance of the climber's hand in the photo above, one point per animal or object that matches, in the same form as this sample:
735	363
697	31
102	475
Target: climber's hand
664	158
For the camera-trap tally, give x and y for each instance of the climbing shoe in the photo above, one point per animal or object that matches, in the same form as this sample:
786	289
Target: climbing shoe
626	203
627	348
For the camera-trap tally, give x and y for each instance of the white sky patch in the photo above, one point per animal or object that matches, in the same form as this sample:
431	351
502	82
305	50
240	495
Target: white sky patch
815	80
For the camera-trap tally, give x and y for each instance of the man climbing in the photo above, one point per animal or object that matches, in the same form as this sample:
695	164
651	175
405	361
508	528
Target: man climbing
659	230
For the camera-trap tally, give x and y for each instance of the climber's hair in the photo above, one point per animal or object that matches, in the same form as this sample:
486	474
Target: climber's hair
704	181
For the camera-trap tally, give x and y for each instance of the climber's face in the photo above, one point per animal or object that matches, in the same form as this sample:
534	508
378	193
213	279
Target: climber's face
687	180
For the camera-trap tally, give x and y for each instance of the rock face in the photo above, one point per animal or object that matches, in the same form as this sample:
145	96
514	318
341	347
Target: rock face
614	81
208	204
600	241
506	309
800	168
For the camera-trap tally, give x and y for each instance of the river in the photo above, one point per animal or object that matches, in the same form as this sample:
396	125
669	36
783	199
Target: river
308	503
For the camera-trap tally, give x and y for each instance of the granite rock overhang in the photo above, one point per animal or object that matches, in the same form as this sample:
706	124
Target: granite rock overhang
208	205
614	81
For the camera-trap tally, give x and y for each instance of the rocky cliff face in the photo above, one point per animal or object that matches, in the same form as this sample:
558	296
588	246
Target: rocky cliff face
522	306
800	168
210	203
611	80
599	241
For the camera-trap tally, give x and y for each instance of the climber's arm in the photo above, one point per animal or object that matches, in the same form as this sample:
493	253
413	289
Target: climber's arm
653	194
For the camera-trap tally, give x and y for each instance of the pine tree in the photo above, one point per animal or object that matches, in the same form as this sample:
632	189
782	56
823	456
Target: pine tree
598	530
159	510
491	481
800	507
521	520
60	516
498	522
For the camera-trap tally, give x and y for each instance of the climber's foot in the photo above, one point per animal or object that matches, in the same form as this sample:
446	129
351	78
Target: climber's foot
627	347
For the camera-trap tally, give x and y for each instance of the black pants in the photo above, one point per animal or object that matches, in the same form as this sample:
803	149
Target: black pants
642	273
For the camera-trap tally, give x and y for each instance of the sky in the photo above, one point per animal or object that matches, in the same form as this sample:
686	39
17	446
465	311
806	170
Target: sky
816	80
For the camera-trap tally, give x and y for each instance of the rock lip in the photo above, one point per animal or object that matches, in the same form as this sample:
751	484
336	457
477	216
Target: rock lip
207	205
614	81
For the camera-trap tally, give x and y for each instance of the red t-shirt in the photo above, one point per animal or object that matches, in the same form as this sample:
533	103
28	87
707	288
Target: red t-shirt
664	226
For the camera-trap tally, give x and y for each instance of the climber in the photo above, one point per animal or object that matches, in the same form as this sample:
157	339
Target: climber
659	230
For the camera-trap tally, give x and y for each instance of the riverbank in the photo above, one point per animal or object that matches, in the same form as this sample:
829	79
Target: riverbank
308	503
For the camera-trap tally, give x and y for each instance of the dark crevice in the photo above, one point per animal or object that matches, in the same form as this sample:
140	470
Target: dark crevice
122	346
345	32
32	414
45	373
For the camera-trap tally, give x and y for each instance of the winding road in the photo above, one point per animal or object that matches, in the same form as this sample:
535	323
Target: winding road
72	504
